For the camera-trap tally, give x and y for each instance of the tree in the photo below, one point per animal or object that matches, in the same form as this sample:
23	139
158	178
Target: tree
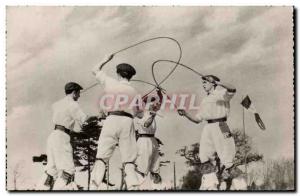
85	144
85	148
244	152
244	149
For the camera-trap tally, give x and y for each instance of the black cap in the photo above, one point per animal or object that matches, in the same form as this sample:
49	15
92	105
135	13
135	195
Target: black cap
211	78
126	70
145	100
72	86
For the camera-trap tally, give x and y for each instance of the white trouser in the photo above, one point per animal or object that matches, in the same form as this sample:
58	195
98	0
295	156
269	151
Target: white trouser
59	154
212	140
209	182
238	183
41	183
148	183
145	182
148	155
60	184
116	130
59	158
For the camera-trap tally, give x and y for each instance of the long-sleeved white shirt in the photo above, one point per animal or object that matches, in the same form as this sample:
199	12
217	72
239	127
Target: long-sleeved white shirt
116	88
216	105
66	112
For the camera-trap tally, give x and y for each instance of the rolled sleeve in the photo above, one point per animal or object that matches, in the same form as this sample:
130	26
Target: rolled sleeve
224	94
228	95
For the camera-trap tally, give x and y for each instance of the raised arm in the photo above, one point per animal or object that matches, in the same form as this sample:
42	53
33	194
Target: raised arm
100	75
155	108
230	88
150	120
103	62
226	91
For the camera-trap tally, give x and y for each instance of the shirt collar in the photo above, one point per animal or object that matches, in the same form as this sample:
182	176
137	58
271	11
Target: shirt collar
69	98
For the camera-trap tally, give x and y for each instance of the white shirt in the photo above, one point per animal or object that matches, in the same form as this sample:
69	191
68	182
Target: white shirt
116	88
66	112
140	124
215	105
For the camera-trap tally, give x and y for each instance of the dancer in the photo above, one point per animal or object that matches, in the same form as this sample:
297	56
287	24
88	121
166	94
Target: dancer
118	126
148	146
60	169
216	135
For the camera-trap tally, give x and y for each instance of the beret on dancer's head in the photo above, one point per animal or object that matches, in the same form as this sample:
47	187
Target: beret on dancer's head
211	78
72	86
151	99
126	68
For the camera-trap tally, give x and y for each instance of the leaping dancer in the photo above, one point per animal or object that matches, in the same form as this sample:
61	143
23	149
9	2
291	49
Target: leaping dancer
60	169
118	127
216	135
148	146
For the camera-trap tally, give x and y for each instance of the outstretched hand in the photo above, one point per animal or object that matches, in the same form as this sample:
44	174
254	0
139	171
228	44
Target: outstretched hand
106	60
160	89
181	112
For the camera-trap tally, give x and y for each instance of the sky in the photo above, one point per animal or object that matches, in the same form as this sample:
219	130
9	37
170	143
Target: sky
249	47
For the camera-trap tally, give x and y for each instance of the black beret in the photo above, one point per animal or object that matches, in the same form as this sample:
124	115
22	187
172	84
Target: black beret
72	86
211	78
145	100
124	67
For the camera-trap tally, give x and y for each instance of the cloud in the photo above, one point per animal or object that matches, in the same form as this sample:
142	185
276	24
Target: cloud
26	124
246	14
30	36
